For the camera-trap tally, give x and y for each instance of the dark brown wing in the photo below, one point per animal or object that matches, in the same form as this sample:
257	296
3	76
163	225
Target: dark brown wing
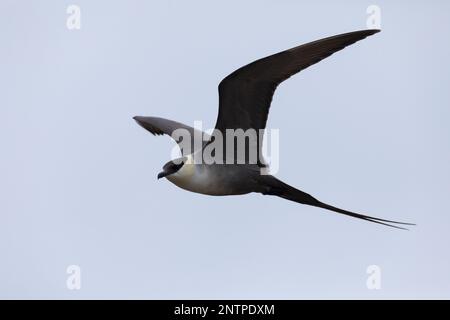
245	95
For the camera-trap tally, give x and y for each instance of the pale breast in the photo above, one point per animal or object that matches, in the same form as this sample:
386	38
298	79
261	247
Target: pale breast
192	178
216	179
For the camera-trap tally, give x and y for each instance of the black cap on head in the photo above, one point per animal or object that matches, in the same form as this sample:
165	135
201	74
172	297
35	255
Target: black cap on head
171	167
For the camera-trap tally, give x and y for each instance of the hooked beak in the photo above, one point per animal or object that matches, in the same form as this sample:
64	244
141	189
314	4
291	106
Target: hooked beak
162	174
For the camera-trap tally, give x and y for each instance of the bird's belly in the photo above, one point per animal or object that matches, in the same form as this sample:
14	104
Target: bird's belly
198	185
209	183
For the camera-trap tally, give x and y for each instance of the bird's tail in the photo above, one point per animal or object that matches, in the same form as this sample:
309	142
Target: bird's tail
279	188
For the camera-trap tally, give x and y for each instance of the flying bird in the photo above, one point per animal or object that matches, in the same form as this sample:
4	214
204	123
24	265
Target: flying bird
244	102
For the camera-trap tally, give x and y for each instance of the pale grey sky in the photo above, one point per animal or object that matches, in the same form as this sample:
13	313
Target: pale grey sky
367	130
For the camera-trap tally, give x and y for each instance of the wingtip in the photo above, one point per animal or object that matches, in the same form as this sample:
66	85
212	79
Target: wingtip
373	31
366	32
139	120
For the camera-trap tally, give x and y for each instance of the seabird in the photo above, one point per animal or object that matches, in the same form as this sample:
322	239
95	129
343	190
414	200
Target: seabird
244	101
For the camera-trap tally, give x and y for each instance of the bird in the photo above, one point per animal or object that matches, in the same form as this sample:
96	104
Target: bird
245	98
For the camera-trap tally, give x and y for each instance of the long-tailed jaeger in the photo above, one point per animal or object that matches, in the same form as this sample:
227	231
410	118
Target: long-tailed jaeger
244	101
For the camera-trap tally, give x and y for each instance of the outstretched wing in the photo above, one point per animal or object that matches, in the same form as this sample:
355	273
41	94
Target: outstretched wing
177	131
245	95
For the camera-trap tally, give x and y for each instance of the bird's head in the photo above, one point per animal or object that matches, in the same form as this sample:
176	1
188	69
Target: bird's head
172	167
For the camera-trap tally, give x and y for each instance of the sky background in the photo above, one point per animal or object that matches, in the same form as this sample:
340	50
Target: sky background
367	130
